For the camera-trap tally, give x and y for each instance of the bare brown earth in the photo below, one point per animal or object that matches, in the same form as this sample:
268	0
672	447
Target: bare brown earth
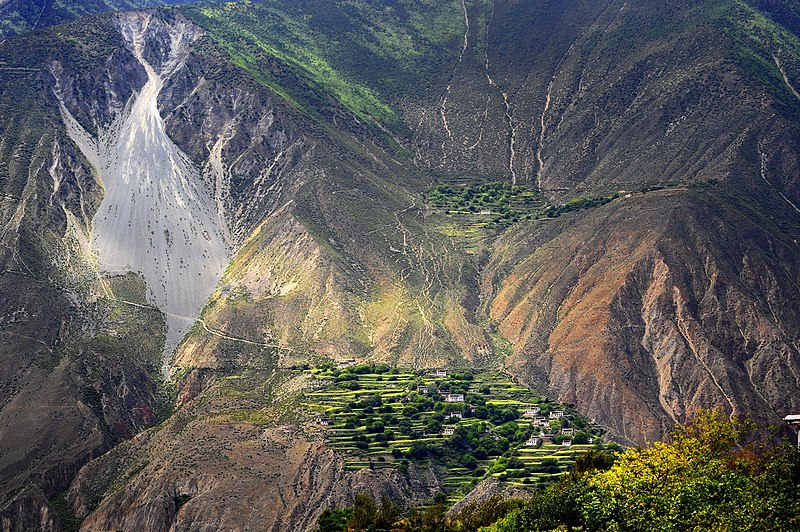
689	324
236	469
640	311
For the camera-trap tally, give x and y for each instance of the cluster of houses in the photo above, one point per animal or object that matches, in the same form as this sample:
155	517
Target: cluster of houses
448	397
531	413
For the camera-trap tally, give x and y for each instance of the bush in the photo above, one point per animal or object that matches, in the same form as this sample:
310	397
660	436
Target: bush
468	461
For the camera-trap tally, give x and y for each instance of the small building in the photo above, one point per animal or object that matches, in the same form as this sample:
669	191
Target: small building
557	414
422	389
531	412
448	431
566	443
439	373
567	432
533	441
541	422
793	420
473	408
590	440
456	415
486	211
342	364
324	422
454	397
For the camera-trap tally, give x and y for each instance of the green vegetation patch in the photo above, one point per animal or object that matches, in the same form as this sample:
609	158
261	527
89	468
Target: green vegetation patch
66	517
496	202
707	478
310	54
474	425
500	203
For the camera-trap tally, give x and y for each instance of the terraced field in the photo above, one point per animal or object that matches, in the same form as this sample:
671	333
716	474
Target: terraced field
470	425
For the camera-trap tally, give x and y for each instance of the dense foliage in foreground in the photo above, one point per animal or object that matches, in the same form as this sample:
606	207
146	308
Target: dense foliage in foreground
706	478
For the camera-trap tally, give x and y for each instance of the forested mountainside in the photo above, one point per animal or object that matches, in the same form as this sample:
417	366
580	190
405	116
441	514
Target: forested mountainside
22	16
600	199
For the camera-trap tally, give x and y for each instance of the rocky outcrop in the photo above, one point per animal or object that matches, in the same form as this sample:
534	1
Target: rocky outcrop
248	145
210	473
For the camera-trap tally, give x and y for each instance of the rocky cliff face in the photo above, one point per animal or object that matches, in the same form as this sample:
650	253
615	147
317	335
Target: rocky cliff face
680	340
206	470
676	295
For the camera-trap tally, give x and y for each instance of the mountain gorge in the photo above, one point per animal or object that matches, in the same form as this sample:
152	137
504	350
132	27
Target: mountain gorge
196	199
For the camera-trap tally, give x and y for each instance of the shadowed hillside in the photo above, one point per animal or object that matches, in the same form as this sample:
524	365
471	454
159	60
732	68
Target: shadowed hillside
598	198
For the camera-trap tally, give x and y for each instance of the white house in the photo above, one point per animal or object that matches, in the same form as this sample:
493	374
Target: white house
342	364
566	443
440	373
456	415
531	412
558	414
533	441
454	398
448	431
568	432
422	389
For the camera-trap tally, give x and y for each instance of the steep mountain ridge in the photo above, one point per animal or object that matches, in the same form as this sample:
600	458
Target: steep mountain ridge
643	299
22	16
676	294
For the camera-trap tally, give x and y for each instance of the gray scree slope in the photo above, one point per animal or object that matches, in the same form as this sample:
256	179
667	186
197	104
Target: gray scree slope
156	217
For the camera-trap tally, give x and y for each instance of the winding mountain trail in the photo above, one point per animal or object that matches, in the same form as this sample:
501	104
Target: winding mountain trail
156	218
207	328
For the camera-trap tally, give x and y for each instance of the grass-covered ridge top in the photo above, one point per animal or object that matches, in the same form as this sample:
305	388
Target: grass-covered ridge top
353	55
473	425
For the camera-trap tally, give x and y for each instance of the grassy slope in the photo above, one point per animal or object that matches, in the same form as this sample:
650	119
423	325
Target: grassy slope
354	55
22	16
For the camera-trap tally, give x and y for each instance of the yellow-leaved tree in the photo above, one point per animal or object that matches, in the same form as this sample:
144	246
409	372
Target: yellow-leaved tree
704	479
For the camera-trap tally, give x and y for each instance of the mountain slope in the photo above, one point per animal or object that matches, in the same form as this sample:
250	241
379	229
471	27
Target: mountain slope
309	135
21	16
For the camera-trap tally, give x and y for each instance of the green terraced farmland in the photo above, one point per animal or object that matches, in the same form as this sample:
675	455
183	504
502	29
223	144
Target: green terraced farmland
470	424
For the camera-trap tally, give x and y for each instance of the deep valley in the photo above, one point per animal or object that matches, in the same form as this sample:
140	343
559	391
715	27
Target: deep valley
238	239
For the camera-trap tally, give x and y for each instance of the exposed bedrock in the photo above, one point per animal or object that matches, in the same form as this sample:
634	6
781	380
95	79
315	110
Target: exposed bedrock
640	313
211	473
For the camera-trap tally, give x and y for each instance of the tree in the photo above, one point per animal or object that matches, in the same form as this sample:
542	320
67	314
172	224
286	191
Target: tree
364	511
468	461
433	427
387	514
477	514
334	519
704	479
594	459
